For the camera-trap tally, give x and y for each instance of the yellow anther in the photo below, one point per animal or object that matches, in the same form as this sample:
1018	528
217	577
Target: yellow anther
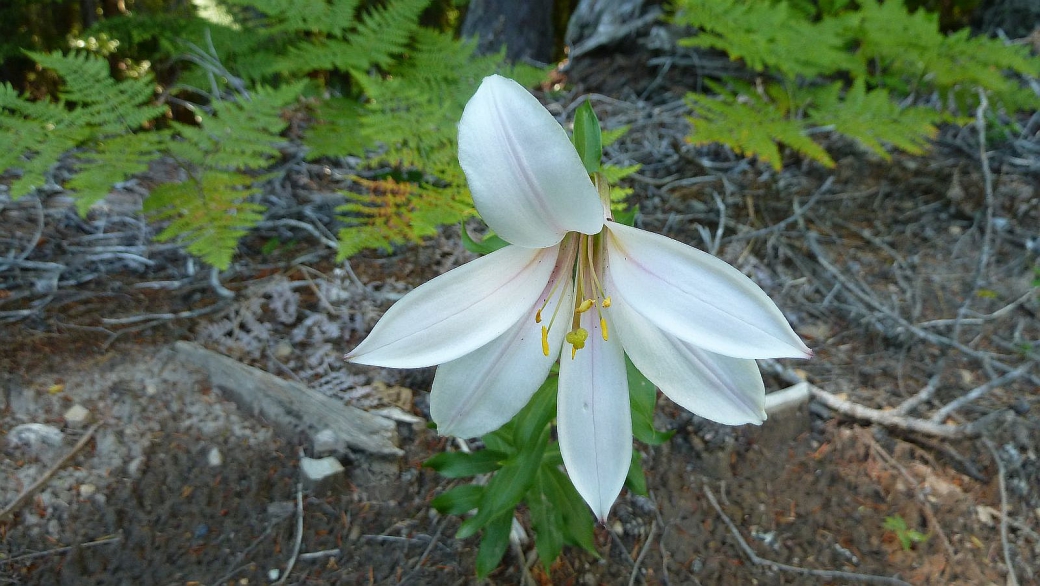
538	317
545	340
585	306
603	328
606	302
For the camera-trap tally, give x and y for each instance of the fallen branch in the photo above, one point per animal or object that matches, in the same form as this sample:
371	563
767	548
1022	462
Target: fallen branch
58	550
888	418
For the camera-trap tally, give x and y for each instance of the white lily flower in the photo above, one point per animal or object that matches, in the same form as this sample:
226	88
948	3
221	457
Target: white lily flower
574	282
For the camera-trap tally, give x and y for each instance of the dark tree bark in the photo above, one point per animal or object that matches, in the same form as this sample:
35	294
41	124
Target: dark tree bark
524	27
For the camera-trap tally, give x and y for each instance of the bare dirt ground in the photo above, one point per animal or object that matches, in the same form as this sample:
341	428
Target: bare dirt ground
911	279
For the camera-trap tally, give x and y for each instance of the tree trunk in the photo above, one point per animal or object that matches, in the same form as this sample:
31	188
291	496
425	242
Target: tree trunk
524	28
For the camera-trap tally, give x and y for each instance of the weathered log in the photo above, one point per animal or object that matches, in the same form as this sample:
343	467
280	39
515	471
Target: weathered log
290	407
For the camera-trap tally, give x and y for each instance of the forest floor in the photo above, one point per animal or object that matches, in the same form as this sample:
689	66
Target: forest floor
912	279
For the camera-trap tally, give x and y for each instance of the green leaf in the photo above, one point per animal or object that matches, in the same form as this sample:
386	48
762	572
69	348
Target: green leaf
488	245
577	519
642	396
537	414
505	489
636	479
588	140
458	500
462	465
546	519
493	544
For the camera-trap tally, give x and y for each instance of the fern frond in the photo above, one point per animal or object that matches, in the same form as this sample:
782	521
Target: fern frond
209	214
768	35
872	118
337	130
377	219
751	126
102	103
238	134
385	31
913	53
302	16
110	161
93	107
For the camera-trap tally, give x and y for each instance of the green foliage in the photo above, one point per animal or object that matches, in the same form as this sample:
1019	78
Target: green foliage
729	121
524	467
588	138
845	67
381	87
907	537
642	396
210	211
92	111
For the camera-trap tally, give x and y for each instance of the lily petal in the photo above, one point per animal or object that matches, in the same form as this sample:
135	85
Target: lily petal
481	391
721	388
459	311
696	297
528	182
594	419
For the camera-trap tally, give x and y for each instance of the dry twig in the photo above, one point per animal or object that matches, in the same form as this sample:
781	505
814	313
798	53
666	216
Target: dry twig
28	493
1012	579
758	561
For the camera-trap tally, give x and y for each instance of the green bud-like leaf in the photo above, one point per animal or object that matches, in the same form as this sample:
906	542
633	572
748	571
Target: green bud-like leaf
588	140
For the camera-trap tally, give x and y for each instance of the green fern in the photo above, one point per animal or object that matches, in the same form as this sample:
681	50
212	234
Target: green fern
377	39
872	118
92	108
875	49
111	160
210	211
750	125
399	90
767	36
207	213
915	56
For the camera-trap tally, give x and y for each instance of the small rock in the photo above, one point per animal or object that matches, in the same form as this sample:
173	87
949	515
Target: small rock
77	416
87	490
34	437
150	389
136	467
214	458
273	574
283	350
318	472
279	510
328	443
